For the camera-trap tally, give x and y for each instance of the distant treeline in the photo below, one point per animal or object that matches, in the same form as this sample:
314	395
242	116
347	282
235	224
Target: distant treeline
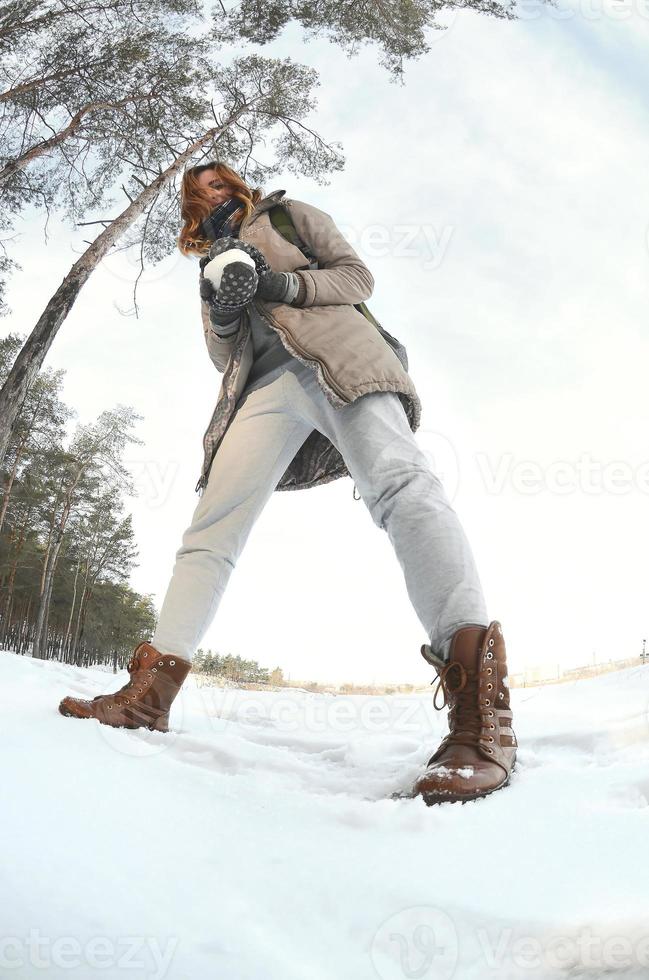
66	547
235	669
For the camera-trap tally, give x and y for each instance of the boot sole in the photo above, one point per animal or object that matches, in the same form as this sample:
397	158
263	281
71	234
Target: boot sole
161	724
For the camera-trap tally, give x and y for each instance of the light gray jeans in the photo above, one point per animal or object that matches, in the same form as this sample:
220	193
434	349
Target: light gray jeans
390	471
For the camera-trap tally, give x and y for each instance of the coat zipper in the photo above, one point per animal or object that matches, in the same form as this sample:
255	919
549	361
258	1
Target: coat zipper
282	330
309	357
244	224
325	370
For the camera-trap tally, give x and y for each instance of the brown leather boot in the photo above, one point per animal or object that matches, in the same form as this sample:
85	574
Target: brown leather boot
477	756
144	701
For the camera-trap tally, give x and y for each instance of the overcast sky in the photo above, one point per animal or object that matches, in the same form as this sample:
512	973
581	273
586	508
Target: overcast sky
501	200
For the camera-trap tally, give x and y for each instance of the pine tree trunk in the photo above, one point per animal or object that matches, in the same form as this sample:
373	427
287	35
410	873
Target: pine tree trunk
46	615
40	631
10	482
68	632
32	355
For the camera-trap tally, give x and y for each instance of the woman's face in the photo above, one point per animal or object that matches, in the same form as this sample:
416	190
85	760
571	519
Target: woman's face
215	188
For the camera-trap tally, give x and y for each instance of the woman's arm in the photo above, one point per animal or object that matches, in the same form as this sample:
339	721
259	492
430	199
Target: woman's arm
342	276
219	348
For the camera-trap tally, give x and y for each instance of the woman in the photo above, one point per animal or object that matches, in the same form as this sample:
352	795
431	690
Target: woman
313	390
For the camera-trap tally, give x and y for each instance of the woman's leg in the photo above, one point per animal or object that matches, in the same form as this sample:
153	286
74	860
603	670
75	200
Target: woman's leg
406	499
258	445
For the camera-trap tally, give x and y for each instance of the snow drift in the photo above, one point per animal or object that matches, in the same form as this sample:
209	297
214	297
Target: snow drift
258	839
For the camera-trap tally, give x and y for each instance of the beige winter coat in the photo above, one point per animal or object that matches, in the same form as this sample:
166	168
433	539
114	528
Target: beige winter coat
351	356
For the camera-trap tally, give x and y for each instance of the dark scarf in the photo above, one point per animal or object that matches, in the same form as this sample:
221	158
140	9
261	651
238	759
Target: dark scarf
218	224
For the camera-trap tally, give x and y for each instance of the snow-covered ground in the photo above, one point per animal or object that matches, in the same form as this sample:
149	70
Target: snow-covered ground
258	839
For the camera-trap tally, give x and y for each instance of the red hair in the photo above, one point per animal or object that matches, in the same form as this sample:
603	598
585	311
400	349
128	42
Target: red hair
196	205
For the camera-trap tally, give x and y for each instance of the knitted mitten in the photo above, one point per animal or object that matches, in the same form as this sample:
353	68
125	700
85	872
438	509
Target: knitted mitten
277	287
227	287
238	285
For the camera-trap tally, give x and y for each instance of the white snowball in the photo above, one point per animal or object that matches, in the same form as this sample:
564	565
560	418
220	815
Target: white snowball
214	268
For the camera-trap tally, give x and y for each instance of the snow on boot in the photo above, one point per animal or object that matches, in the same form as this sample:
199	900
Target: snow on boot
144	701
478	754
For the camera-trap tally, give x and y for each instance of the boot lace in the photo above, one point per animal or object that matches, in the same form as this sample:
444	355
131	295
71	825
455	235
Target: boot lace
132	686
460	690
